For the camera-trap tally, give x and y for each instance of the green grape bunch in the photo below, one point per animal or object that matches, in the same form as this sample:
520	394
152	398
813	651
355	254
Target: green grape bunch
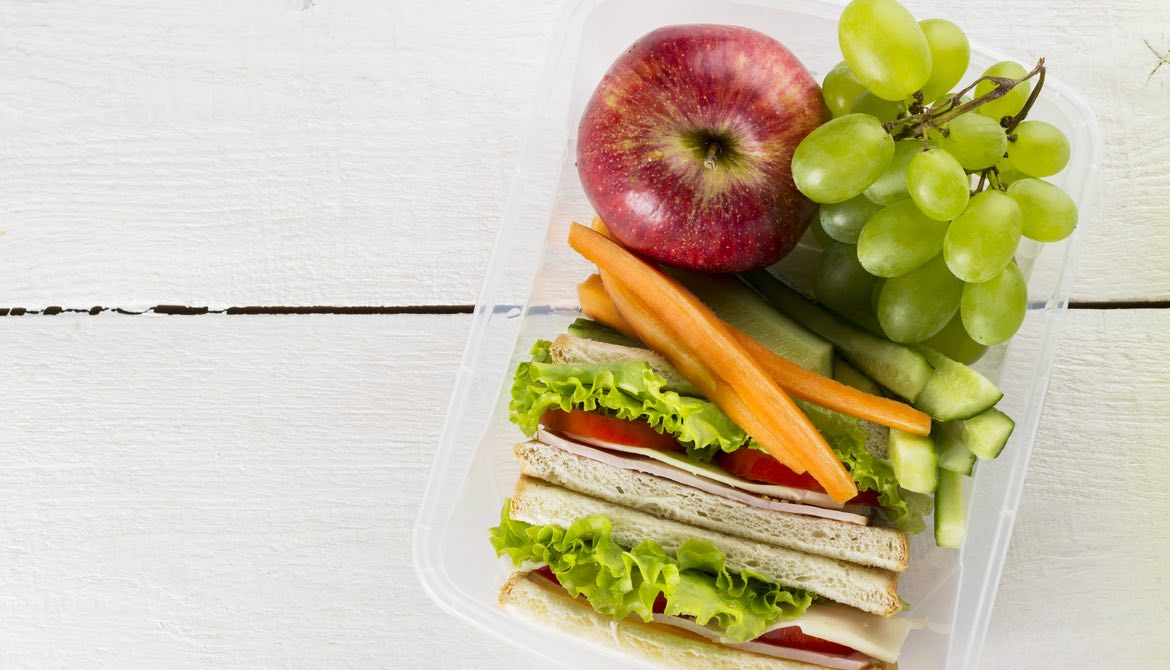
925	191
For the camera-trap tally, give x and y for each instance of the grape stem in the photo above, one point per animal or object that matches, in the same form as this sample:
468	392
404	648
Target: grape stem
1023	113
995	180
916	125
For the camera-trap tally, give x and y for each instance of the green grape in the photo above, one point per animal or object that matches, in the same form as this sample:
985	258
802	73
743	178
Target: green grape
938	184
1040	149
1047	213
950	53
890	186
898	239
818	232
992	311
839	159
840	282
842	221
954	342
982	240
977	142
885	47
876	294
882	110
1013	101
840	89
1008	172
918	304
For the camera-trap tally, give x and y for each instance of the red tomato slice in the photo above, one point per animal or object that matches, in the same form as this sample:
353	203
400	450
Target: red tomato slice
793	638
760	467
631	433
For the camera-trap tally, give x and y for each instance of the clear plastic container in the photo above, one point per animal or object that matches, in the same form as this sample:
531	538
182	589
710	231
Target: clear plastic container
530	293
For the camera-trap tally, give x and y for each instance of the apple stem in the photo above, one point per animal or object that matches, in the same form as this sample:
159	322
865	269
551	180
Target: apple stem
712	152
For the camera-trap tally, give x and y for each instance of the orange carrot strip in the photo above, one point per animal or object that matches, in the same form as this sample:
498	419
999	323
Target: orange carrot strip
795	380
652	331
828	392
707	339
597	306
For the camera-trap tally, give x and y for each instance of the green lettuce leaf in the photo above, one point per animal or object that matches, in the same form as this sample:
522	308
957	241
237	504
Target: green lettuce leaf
695	582
905	510
627	390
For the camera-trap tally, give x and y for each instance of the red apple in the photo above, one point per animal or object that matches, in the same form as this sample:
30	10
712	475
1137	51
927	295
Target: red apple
685	148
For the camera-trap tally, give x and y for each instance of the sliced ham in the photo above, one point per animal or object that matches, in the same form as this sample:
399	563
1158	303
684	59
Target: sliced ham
851	662
631	458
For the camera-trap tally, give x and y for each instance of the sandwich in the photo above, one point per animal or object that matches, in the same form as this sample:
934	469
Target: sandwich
646	519
593	395
689	597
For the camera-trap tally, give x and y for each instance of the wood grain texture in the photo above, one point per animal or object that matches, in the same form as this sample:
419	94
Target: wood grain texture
194	492
1086	581
236	153
358	152
239	492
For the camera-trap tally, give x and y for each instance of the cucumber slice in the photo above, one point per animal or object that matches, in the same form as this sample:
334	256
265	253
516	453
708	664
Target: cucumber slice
851	376
896	367
950	513
954	391
591	330
952	455
985	435
745	309
914	461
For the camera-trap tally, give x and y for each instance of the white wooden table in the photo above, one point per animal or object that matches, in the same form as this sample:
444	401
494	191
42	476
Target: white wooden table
238	490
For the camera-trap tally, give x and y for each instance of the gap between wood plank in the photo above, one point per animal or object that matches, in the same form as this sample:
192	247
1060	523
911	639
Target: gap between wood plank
185	310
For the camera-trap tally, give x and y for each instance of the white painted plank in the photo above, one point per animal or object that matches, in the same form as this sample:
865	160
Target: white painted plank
1086	581
225	153
221	492
239	492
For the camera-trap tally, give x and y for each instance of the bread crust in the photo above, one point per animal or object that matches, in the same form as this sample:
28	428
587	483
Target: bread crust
567	349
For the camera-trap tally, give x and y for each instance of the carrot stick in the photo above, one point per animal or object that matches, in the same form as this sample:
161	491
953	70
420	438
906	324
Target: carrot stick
651	330
596	304
795	380
707	339
828	392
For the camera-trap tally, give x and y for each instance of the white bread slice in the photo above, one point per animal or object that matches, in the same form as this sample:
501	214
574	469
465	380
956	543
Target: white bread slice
567	349
545	603
868	589
867	545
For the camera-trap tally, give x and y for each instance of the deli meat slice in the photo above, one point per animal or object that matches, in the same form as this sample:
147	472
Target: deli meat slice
852	662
